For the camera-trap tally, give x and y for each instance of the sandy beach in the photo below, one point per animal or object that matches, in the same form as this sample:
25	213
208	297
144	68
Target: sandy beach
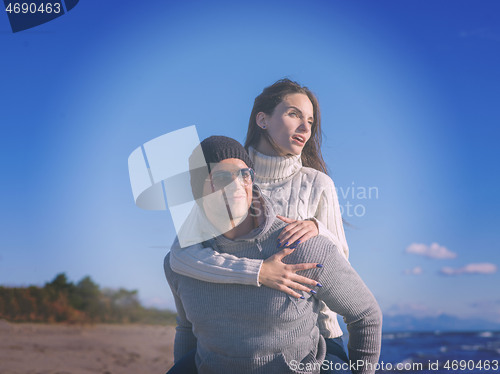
105	349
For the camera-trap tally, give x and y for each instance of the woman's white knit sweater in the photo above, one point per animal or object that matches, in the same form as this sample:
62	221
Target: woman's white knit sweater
296	192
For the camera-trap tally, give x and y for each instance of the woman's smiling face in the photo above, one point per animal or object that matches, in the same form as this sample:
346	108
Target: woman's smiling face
289	126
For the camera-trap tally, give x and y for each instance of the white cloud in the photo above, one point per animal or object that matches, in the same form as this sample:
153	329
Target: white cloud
417	270
480	268
433	251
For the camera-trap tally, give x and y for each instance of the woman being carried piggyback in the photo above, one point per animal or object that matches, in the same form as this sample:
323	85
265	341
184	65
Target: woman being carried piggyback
283	140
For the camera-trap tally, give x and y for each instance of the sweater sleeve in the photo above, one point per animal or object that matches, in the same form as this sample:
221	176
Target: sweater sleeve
205	264
345	293
329	218
184	341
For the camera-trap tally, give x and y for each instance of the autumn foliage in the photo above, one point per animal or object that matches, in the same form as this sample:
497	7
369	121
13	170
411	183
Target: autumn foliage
83	302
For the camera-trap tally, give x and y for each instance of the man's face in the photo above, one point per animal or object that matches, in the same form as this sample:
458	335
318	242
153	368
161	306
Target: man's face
228	193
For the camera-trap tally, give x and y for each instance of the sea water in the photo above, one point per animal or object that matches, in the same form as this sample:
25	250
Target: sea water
440	352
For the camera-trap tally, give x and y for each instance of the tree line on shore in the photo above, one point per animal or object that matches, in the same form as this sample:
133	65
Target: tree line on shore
83	302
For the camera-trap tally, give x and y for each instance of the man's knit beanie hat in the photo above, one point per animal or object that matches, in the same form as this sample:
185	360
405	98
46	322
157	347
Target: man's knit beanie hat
215	149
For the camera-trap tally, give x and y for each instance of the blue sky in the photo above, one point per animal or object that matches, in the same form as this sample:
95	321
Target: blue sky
409	93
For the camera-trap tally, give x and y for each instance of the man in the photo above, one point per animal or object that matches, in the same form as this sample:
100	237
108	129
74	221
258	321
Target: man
242	329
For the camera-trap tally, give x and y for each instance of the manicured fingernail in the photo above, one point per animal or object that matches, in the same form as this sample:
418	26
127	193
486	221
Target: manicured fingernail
319	285
319	266
313	292
298	242
286	244
302	297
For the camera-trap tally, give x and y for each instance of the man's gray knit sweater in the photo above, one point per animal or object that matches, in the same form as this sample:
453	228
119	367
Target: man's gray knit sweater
243	329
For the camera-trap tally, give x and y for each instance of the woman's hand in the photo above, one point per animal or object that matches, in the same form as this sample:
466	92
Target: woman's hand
296	231
280	276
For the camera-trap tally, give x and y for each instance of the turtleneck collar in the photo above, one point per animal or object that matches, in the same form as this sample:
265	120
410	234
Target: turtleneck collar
269	169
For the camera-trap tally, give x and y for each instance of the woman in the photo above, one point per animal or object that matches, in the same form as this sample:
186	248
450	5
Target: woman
283	141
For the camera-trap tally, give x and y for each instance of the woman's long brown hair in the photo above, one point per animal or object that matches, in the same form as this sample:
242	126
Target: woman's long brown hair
267	101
